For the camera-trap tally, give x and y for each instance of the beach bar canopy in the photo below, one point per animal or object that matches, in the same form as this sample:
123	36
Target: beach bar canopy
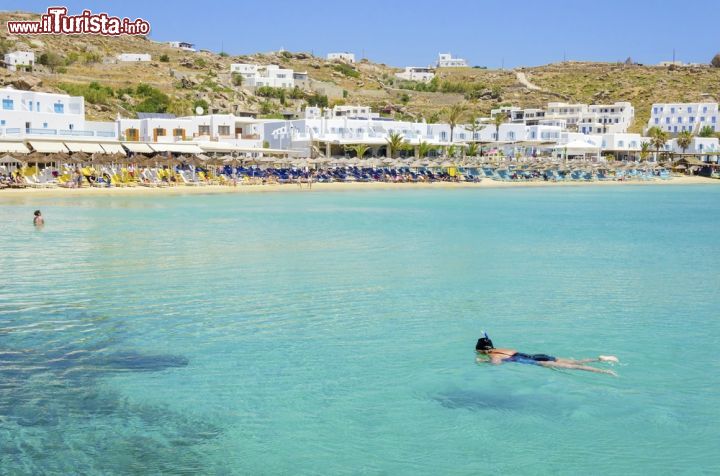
138	147
87	147
113	148
216	147
48	147
578	147
177	148
16	147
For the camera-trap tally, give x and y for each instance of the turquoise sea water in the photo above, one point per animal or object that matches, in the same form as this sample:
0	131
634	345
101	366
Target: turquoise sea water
333	333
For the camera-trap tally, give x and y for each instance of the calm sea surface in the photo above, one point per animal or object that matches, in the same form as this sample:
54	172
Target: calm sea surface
333	333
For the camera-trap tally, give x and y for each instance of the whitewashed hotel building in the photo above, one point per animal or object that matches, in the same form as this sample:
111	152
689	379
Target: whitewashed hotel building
19	58
529	116
333	129
606	118
594	118
29	113
416	73
679	117
271	75
164	128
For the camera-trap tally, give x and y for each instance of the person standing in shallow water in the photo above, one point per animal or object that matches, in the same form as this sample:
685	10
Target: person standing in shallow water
38	219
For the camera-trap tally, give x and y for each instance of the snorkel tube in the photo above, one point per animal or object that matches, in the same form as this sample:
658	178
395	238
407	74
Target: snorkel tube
484	343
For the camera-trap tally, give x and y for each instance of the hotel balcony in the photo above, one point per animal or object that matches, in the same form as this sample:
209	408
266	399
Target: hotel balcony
33	131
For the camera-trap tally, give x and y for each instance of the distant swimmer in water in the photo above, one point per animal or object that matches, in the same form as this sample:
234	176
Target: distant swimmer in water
38	220
495	356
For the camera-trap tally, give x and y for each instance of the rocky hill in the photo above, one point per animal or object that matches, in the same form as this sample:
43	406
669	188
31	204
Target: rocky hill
178	81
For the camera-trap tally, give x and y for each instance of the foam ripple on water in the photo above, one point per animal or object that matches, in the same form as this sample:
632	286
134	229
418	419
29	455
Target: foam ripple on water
333	333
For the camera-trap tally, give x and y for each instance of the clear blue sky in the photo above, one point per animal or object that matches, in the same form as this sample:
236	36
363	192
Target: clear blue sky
399	32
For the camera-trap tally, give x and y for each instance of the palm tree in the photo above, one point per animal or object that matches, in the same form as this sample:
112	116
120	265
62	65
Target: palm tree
472	149
474	127
424	149
658	138
498	120
706	131
359	149
644	150
395	143
453	115
451	151
684	139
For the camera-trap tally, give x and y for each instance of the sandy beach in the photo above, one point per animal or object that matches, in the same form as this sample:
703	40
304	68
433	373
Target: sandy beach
335	187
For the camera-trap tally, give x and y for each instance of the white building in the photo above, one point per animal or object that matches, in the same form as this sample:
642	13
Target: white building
706	148
19	58
679	117
680	64
594	118
182	45
334	129
446	60
530	116
270	75
28	112
133	57
570	113
606	118
49	123
213	127
415	73
344	57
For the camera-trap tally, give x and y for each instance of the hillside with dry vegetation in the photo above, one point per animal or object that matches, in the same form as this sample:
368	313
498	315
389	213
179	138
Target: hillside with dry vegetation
176	81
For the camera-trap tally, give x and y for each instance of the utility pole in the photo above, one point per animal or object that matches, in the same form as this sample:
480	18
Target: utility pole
673	55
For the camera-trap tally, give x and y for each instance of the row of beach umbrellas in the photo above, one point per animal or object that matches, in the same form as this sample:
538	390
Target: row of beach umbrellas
201	160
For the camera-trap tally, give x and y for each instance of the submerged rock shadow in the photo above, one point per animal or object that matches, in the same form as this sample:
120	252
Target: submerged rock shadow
57	417
474	400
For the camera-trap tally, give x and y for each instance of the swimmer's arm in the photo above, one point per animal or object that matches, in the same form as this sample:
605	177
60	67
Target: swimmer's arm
496	359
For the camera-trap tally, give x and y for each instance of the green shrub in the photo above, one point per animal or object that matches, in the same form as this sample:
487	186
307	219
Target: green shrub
91	58
151	99
94	93
347	70
201	103
71	58
296	93
50	59
223	54
5	46
237	79
317	100
270	92
431	86
164	58
266	107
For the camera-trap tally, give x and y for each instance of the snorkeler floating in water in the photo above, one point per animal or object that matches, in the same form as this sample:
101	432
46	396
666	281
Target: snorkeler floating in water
485	347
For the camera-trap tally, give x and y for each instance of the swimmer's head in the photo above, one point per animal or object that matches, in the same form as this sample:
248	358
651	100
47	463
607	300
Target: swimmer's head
484	343
37	213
